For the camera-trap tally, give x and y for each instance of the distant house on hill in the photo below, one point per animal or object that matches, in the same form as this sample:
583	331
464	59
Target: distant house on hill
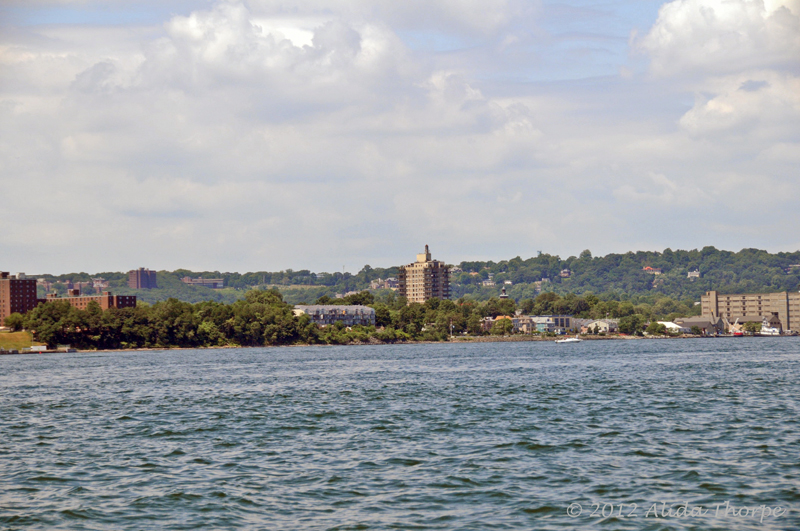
652	270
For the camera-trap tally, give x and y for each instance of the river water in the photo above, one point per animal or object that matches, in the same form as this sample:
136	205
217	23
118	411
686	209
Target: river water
453	436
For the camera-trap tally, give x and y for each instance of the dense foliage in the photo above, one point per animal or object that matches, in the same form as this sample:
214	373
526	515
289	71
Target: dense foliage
262	317
619	275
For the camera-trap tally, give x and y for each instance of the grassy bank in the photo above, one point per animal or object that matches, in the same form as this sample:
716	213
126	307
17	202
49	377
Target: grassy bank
16	340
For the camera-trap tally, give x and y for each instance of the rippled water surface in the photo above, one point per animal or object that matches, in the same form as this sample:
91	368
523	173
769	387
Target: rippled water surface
474	436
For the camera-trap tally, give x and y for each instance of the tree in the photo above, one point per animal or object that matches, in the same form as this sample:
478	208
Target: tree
696	330
631	324
752	326
383	316
15	322
656	329
502	327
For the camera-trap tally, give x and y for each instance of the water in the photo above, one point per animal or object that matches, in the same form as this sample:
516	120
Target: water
481	436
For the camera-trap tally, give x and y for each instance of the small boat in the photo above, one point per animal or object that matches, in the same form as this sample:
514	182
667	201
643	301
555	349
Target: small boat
575	339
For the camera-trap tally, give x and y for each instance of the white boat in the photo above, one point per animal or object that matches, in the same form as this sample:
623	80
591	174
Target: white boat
575	339
767	330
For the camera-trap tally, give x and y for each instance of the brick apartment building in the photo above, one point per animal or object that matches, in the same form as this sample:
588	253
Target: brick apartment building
17	295
106	300
142	279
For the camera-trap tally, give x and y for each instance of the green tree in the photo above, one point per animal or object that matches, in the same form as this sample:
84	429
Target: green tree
502	327
15	322
631	324
752	327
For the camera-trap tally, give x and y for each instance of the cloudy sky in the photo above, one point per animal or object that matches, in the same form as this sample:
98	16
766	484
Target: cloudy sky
246	135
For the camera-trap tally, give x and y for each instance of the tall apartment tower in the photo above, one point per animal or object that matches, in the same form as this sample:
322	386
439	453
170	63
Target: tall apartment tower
16	295
142	279
424	279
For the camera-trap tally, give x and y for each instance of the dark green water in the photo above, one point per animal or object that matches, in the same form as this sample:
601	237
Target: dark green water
486	436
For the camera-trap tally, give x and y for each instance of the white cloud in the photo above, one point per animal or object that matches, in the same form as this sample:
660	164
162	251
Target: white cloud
764	102
723	36
306	134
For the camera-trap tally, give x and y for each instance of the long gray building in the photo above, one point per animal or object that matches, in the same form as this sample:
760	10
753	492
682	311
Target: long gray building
328	314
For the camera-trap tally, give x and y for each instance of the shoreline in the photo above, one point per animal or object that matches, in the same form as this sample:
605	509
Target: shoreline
451	340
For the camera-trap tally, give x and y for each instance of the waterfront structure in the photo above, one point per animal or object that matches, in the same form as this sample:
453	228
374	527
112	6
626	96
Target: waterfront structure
552	323
424	279
606	326
142	279
213	283
675	328
106	300
328	314
708	326
754	306
17	295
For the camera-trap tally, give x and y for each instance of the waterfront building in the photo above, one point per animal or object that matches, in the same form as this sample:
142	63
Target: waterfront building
752	306
553	323
328	314
424	279
142	279
17	295
106	300
607	326
708	326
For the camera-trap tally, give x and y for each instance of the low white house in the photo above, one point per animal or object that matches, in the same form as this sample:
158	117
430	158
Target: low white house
675	328
601	326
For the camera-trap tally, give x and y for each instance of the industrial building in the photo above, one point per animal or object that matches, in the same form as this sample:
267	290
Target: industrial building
754	307
213	283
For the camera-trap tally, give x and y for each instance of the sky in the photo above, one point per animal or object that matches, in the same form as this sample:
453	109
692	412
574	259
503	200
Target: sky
248	135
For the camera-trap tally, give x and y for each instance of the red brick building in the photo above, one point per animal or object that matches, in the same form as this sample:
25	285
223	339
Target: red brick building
16	295
106	300
142	279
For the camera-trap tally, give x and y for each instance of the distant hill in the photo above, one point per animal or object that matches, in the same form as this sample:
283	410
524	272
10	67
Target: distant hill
616	275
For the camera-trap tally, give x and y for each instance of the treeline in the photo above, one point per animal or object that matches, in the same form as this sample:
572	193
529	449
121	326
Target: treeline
748	271
263	318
